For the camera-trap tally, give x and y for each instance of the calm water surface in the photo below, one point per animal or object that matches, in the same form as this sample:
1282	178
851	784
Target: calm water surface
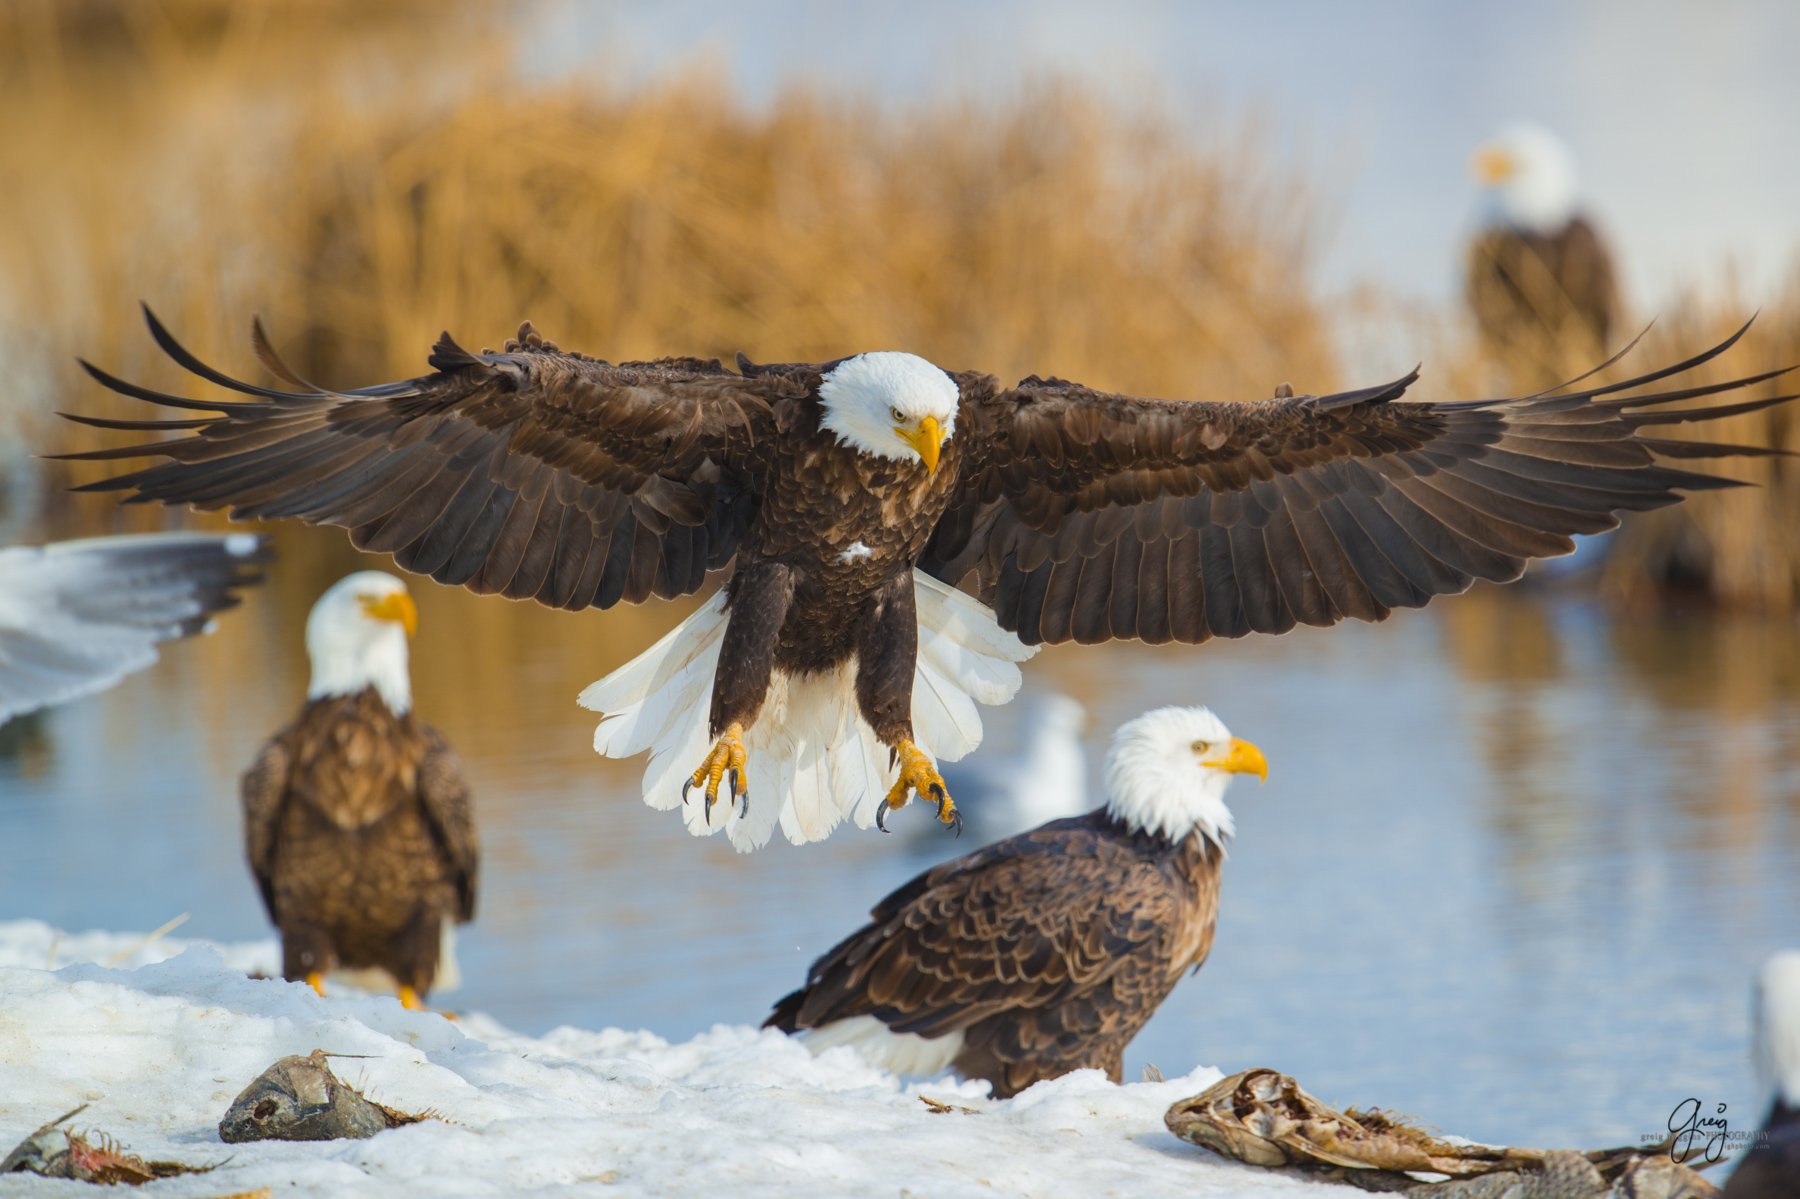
1513	869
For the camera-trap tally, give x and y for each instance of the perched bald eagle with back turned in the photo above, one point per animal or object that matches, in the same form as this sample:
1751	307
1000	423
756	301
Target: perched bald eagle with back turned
1539	277
356	816
852	499
78	616
1048	951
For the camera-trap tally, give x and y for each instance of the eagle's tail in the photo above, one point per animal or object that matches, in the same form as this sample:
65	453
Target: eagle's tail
813	760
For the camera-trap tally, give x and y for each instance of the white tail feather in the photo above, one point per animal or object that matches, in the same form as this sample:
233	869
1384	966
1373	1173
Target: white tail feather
813	760
879	1045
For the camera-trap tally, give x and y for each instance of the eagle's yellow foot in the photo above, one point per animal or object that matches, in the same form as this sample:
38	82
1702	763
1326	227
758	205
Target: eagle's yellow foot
918	775
316	981
409	999
726	758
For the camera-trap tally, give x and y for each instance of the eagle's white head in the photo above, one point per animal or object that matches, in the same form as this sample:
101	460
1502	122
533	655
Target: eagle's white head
356	637
1168	769
891	405
1529	175
1778	1026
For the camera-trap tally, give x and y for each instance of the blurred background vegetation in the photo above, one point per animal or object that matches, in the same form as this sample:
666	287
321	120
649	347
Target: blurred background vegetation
220	158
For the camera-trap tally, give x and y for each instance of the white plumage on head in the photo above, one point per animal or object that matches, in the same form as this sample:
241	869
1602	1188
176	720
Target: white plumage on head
1530	177
1168	770
356	637
1778	1026
870	398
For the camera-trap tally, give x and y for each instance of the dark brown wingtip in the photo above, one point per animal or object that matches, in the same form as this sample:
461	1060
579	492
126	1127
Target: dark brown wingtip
265	353
446	355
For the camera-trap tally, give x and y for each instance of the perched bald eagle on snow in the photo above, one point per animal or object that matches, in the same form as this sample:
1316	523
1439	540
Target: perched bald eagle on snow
1048	951
1539	278
851	498
1770	1169
78	616
356	815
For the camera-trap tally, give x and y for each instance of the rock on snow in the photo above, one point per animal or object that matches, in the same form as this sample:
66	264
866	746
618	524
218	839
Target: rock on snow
160	1046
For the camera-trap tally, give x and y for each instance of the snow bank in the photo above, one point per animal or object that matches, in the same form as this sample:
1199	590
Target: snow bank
160	1049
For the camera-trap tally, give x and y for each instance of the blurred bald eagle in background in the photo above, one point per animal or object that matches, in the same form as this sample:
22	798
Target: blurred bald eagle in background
1048	951
1539	278
78	616
357	818
852	500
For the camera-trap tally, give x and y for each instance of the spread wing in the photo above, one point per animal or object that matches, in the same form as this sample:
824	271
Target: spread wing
1034	926
444	792
78	616
1085	516
532	472
262	790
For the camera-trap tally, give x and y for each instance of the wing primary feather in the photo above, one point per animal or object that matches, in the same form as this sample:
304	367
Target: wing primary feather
188	362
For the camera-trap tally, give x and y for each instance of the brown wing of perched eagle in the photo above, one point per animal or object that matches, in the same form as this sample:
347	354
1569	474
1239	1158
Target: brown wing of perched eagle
357	819
1048	951
1542	293
851	499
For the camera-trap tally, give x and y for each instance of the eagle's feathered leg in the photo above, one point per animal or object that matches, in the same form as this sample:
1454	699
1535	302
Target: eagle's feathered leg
758	598
887	657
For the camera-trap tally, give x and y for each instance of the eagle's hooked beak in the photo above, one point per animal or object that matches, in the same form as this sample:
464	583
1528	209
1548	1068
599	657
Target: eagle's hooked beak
396	606
927	439
1492	165
1243	758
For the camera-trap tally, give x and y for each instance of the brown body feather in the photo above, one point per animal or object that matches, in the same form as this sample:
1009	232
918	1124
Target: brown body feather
1080	516
1542	298
361	838
1770	1168
1047	951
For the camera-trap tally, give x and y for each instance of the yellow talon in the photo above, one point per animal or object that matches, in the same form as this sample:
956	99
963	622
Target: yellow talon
409	999
918	775
726	757
316	981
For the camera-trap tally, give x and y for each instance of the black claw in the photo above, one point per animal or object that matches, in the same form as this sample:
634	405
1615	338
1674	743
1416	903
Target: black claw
735	787
938	793
710	801
881	817
686	786
743	805
956	822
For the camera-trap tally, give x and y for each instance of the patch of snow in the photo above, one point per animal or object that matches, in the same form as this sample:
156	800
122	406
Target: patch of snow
857	550
160	1050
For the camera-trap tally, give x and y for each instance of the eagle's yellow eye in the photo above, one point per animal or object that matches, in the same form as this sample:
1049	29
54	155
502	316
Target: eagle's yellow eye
899	416
1201	747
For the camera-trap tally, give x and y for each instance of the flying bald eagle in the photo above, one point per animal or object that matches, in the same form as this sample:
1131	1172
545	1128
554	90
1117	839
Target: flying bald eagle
1048	951
78	616
1771	1167
852	498
1539	278
356	815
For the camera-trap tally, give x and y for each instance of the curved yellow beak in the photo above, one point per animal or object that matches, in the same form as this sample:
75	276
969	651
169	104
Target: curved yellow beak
397	607
1243	758
927	439
1492	165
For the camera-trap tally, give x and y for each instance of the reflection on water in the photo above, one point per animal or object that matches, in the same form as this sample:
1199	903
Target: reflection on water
1511	873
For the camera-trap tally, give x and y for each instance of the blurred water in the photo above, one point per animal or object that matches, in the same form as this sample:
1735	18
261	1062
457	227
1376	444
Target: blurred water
1511	873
